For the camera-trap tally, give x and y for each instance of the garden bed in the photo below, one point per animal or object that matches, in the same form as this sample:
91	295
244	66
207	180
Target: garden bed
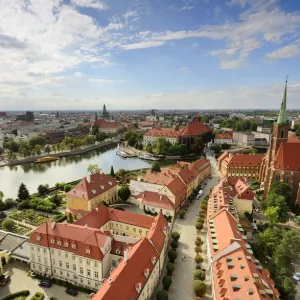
30	217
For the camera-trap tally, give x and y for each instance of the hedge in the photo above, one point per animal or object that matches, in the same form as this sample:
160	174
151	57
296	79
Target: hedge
18	294
38	296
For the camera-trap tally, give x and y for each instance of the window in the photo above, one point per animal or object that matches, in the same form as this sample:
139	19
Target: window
66	255
38	238
59	253
89	283
88	251
60	263
81	280
39	259
88	262
80	261
61	272
96	274
59	243
66	245
68	274
73	246
52	251
134	229
33	266
113	263
32	248
140	231
81	270
46	262
88	272
73	257
40	268
38	250
45	251
54	271
96	264
67	265
53	261
127	227
74	267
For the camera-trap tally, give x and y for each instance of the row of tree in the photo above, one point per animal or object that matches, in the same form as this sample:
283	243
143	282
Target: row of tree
239	125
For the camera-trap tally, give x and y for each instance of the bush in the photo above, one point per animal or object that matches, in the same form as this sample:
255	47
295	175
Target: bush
199	275
170	268
18	294
174	244
198	259
181	213
167	281
68	187
200	220
162	295
172	254
8	224
203	206
38	296
175	236
199	288
198	249
199	226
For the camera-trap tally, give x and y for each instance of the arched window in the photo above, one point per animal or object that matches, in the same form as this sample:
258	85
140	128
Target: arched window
282	132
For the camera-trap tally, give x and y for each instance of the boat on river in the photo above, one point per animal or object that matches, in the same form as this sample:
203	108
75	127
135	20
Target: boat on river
46	159
122	154
148	157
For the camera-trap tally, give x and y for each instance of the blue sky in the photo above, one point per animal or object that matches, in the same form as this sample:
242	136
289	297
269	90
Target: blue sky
144	54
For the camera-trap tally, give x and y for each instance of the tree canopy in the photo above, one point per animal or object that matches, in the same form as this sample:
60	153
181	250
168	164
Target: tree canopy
155	167
23	193
93	168
124	192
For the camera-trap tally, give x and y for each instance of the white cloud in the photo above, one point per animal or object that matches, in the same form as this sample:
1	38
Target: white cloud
102	80
217	11
78	74
286	51
142	45
185	70
97	4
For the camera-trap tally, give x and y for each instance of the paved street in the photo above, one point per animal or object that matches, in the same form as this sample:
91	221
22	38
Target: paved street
181	288
20	281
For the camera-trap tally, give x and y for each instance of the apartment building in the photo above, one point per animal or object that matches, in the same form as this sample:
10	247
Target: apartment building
240	165
98	245
243	138
235	272
169	134
90	192
223	138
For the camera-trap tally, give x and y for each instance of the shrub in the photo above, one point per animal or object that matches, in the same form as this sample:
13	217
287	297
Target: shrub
170	268
175	236
203	206
68	187
199	226
199	288
172	254
198	249
199	275
174	244
38	296
198	259
18	294
162	295
167	281
8	224
200	220
181	213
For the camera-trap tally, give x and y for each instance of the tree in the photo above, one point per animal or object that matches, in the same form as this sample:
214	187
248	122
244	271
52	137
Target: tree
198	249
172	254
68	187
124	192
174	244
93	168
48	149
1	150
254	151
199	275
272	213
167	281
225	146
162	295
170	268
175	235
23	193
181	213
289	286
112	172
149	149
199	226
199	288
1	195
282	189
273	200
43	189
121	173
216	148
8	224
70	218
155	167
56	199
95	130
198	259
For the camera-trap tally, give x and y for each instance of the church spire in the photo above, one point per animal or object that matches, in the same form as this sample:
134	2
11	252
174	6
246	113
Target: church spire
282	113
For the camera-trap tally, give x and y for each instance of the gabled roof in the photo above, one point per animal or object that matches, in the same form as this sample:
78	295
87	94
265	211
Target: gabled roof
195	129
288	157
92	186
104	124
245	160
155	199
186	175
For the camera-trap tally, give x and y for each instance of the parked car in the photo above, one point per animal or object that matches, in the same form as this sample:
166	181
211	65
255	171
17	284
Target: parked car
295	278
200	192
4	279
298	274
198	213
71	291
45	283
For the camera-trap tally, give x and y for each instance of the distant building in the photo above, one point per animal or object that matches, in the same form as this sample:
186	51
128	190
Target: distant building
90	192
146	125
105	113
243	138
29	117
240	165
169	134
262	135
223	138
108	126
3	115
264	129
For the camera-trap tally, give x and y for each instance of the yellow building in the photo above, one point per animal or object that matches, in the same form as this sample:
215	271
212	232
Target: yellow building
90	192
3	260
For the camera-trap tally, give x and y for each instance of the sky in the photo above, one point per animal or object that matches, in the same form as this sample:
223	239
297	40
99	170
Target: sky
146	54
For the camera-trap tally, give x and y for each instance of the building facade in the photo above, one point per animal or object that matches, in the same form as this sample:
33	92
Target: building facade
107	126
169	134
90	192
243	138
4	256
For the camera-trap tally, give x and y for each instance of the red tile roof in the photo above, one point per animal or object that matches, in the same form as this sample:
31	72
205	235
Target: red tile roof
155	199
121	246
3	114
82	237
146	123
195	129
92	186
104	124
293	139
245	160
163	132
127	275
223	136
186	176
102	214
288	157
178	189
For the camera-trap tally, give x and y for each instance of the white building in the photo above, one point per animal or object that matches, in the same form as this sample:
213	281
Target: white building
243	138
169	134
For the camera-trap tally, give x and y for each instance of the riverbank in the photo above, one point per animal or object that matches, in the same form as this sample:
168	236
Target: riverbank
61	154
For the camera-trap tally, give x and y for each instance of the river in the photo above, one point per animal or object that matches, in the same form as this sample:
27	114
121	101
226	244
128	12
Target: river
63	170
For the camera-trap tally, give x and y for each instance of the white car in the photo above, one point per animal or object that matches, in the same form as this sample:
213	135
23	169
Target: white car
200	193
296	278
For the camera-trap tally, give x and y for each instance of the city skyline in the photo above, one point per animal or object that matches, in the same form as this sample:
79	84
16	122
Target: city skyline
140	54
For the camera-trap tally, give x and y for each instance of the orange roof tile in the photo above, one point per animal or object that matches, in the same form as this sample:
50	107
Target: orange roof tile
164	132
92	186
245	160
104	124
195	129
156	199
287	157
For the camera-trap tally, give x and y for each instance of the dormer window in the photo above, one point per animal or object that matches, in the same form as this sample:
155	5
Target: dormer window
73	246
66	245
38	237
153	260
52	241
88	251
146	272
59	243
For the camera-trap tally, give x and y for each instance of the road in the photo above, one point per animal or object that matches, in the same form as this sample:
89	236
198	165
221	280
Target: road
181	288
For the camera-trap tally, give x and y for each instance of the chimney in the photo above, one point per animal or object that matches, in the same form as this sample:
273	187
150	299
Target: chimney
88	178
125	255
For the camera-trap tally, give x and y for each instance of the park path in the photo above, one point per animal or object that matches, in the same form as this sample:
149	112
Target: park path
181	288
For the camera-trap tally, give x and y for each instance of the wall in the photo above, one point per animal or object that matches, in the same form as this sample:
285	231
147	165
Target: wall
243	205
119	228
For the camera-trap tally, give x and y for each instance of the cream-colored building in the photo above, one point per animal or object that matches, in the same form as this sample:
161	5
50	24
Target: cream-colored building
90	192
4	257
169	134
